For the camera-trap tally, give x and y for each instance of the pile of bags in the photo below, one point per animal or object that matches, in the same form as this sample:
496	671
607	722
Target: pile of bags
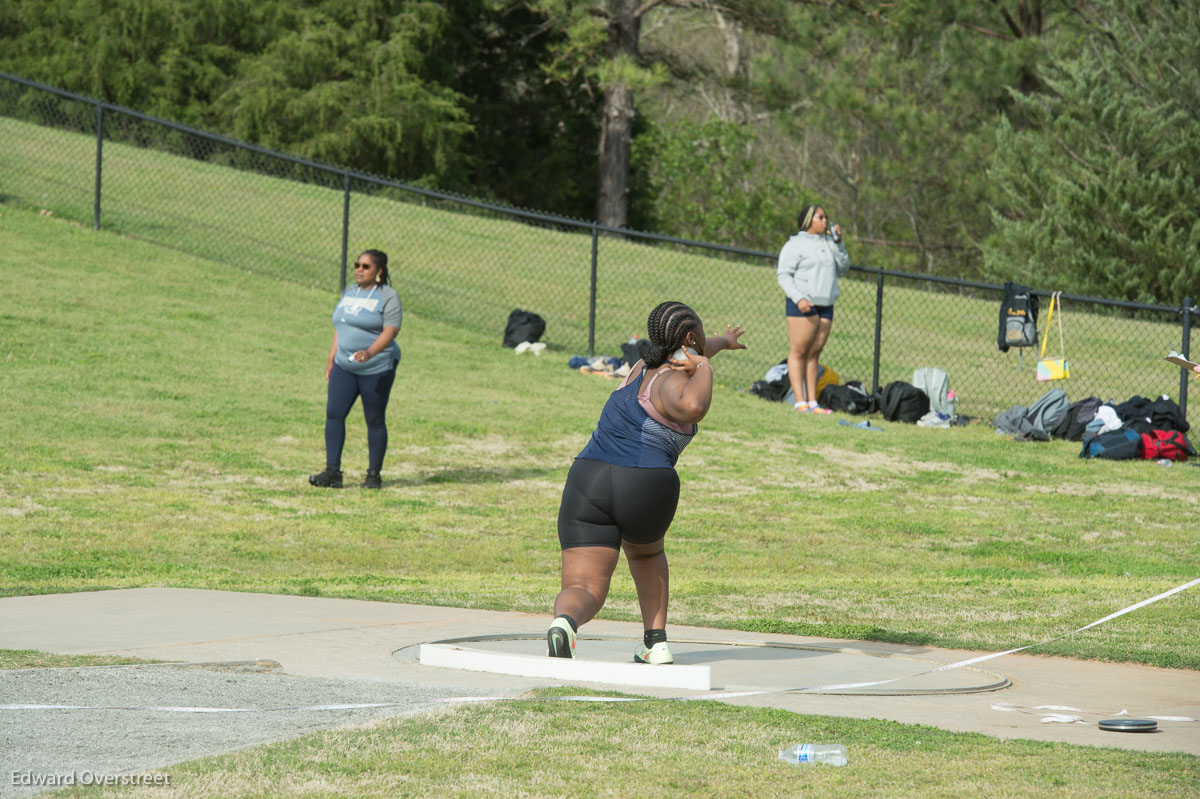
1136	428
927	401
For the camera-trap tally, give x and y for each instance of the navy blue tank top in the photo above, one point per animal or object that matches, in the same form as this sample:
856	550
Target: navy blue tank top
632	433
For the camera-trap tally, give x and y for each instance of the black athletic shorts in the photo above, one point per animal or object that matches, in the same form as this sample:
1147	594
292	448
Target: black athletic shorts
603	503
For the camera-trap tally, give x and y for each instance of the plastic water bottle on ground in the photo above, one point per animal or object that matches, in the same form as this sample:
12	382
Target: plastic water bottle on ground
829	754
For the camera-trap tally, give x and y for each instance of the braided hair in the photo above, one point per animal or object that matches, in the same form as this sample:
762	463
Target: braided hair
380	259
668	325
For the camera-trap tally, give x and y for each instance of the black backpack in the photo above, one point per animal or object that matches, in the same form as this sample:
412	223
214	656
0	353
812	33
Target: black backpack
773	391
850	398
1018	317
903	402
1075	421
632	353
523	326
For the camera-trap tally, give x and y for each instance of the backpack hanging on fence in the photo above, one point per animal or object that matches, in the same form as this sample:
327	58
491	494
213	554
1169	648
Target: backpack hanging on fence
1018	317
903	402
1169	444
1118	445
523	326
1054	368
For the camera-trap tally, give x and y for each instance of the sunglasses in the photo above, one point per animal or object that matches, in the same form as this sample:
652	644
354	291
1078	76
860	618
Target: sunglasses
360	265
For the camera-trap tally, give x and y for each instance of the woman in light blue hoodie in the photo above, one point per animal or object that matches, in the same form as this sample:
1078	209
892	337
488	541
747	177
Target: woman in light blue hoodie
809	266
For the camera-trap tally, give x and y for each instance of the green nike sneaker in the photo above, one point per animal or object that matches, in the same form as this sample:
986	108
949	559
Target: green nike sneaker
560	639
657	655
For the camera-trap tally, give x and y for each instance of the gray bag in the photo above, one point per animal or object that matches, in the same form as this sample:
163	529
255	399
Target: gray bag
1045	414
1010	421
936	385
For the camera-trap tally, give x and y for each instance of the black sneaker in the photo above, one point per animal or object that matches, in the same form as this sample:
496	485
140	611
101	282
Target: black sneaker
330	478
373	480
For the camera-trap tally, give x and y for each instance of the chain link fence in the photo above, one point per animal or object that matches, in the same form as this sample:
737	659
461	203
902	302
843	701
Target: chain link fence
470	263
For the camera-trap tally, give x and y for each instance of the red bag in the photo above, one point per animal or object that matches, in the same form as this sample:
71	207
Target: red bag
1169	444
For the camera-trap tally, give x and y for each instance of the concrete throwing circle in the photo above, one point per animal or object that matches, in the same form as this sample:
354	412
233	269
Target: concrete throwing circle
742	665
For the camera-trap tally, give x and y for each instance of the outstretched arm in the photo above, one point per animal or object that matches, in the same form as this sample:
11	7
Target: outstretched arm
729	341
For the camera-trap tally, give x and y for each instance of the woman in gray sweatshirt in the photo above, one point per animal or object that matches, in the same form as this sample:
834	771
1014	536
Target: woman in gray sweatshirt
809	265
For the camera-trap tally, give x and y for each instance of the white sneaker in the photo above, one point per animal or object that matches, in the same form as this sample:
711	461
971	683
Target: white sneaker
657	655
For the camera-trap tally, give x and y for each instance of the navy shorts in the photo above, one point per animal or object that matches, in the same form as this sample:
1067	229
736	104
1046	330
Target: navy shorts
823	311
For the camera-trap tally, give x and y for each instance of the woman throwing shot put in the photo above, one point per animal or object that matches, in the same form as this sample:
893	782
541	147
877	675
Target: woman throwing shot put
809	266
622	490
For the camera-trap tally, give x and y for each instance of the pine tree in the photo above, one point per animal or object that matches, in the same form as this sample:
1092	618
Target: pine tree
1099	193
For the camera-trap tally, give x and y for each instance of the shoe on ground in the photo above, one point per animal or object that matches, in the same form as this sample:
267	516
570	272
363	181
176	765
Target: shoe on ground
657	655
819	409
330	478
560	639
373	480
934	419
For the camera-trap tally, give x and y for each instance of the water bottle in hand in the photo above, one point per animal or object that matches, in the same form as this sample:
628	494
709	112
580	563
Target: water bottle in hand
829	754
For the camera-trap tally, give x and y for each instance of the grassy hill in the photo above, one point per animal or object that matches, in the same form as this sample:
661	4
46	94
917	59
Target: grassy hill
470	269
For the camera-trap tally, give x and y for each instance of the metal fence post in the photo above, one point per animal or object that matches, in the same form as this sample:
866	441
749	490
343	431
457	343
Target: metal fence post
1184	377
592	305
345	226
878	327
99	156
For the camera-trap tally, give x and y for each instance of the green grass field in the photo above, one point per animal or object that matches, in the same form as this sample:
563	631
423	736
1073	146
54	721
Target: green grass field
159	413
471	270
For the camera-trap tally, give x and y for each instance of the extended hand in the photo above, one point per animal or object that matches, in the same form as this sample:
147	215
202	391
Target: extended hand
732	334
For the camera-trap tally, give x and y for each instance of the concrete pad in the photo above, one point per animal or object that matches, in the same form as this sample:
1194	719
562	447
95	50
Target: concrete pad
529	664
749	665
374	641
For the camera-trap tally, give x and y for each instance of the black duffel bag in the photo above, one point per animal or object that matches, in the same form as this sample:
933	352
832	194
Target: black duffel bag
850	398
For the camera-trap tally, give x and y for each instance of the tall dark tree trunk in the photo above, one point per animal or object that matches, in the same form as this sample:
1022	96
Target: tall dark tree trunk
616	129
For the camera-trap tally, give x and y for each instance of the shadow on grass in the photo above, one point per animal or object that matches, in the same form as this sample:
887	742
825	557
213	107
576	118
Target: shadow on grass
471	475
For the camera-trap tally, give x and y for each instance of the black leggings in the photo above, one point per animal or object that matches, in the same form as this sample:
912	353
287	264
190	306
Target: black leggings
344	388
603	503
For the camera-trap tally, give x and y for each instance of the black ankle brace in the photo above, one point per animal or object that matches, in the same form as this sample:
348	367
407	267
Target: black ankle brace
652	637
570	621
